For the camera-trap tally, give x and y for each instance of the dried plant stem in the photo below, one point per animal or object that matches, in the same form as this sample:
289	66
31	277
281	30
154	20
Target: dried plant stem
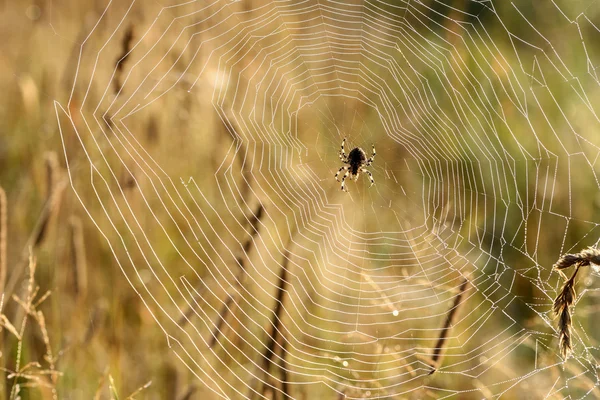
436	358
253	222
3	263
3	238
78	257
52	195
170	377
189	312
241	261
276	320
139	390
276	324
285	387
114	393
32	371
123	56
231	127
218	329
187	395
566	297
37	236
101	384
152	130
583	259
49	357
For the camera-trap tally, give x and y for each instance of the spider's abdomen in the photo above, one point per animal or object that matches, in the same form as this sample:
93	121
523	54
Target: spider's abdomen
357	158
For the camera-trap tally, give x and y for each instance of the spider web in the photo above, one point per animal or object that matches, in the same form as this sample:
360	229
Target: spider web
202	139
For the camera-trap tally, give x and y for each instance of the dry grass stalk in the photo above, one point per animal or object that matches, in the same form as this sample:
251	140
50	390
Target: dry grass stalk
152	131
33	373
253	221
78	257
122	58
189	312
187	395
566	297
139	390
218	329
52	172
230	301
450	319
3	238
53	196
285	387
120	66
276	320
56	184
4	322
114	393
561	308
170	377
48	357
585	258
276	324
231	128
101	384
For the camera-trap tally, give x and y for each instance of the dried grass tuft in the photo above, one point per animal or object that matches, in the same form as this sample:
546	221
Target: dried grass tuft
562	304
33	373
585	258
567	296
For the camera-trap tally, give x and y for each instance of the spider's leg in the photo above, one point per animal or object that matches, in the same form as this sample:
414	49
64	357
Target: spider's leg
372	158
340	170
366	171
344	181
343	156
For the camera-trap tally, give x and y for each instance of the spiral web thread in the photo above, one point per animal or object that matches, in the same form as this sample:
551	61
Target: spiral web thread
202	139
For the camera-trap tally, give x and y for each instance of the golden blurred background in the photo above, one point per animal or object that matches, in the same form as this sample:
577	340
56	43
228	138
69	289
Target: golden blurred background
167	173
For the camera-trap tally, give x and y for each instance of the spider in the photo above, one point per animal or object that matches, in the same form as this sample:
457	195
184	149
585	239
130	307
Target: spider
357	161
